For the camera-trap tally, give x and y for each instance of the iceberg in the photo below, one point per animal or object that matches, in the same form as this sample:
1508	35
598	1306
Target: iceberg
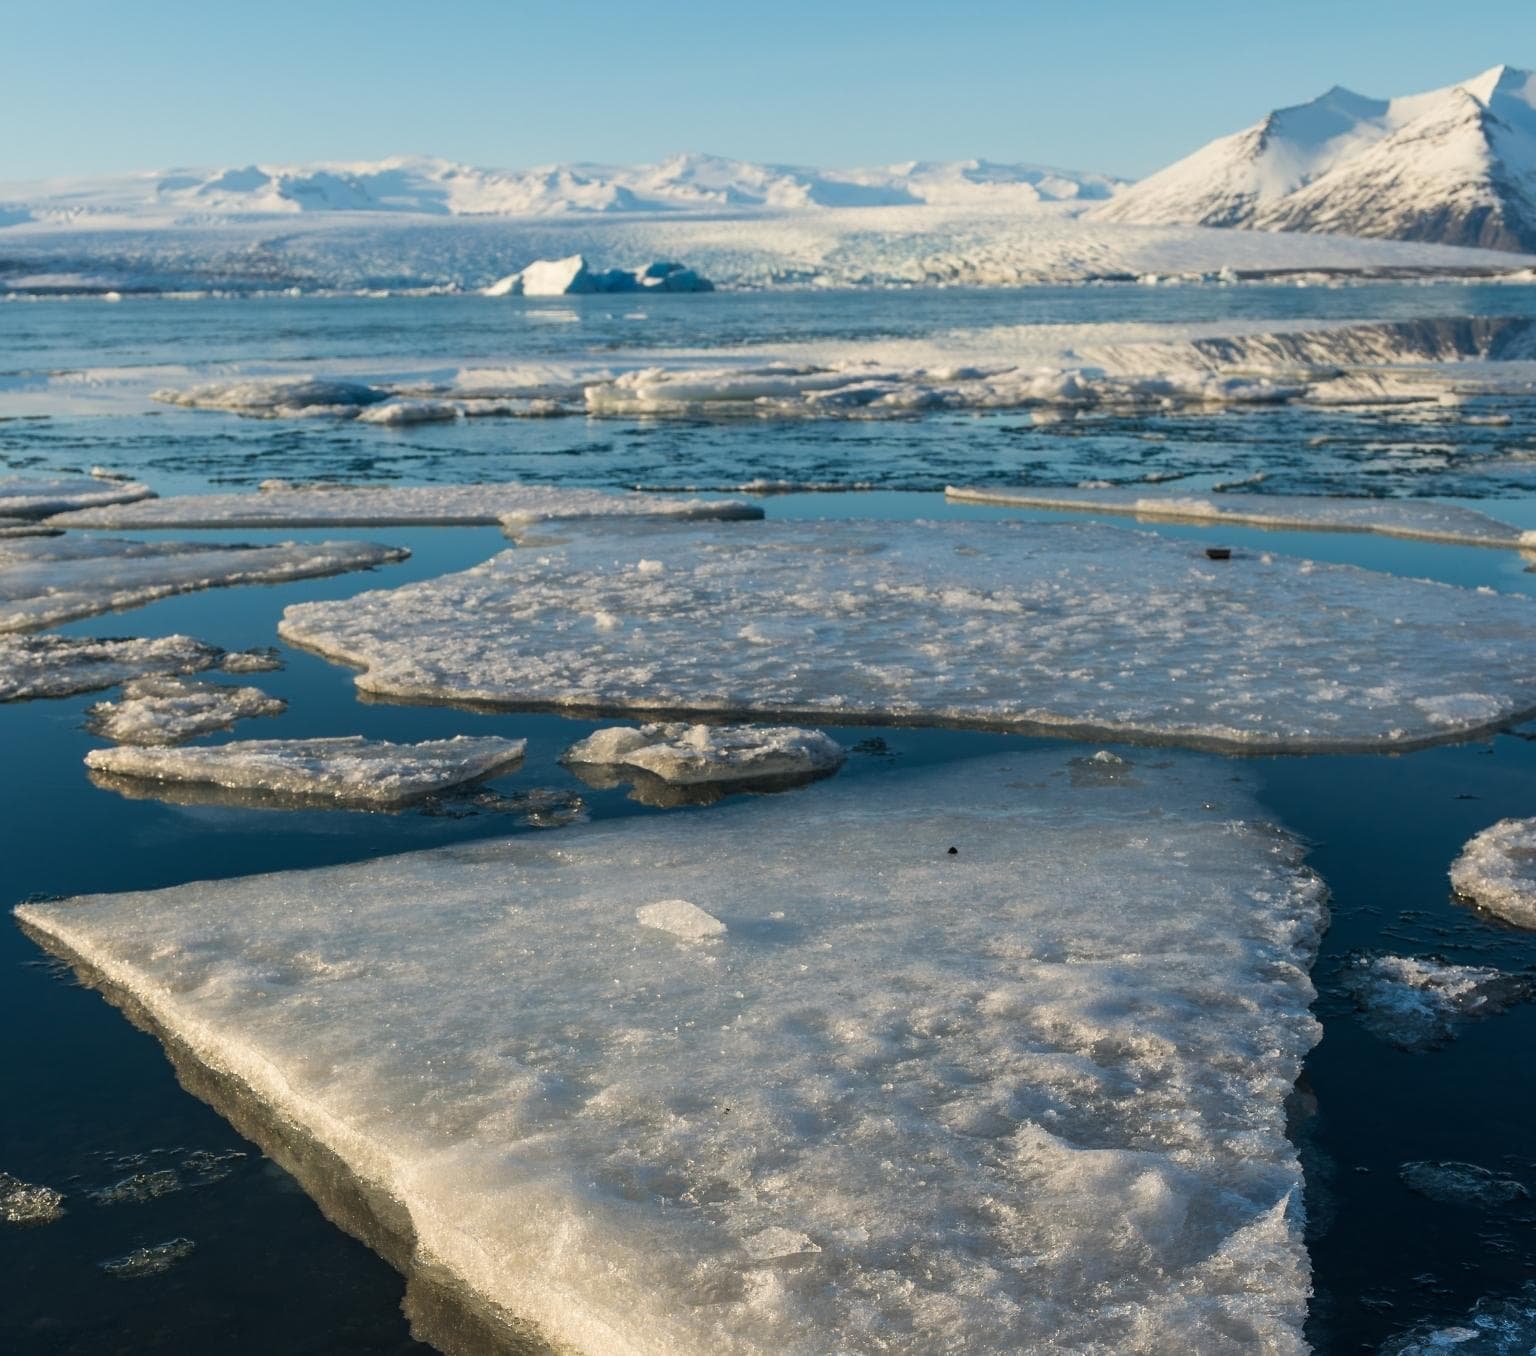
50	580
1420	519
1028	1097
511	505
1497	871
31	499
683	753
1059	627
60	666
572	276
169	710
344	771
1417	1003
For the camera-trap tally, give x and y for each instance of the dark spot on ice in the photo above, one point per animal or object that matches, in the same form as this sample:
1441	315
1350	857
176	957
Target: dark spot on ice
954	852
1218	553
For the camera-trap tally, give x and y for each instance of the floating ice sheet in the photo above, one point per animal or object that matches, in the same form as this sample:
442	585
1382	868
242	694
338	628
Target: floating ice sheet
60	666
1417	1003
23	498
47	581
332	505
169	710
1422	519
1497	871
1065	626
682	753
348	770
1027	1097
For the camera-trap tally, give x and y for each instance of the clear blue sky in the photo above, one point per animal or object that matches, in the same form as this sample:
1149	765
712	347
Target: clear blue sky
92	86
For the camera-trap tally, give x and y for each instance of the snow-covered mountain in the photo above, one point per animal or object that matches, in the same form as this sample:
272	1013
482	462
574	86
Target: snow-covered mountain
1455	165
425	186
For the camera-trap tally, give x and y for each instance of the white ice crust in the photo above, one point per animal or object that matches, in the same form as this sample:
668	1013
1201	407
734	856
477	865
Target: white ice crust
1071	626
59	666
169	710
509	505
26	498
1497	871
1422	519
684	754
1025	1098
45	581
348	770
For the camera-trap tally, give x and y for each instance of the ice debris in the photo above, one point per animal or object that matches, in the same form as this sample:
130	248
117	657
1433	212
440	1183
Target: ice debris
344	771
60	666
683	753
1027	1099
47	581
170	710
23	1203
1417	1003
150	1261
1453	1183
1497	871
1497	1326
682	919
1071	627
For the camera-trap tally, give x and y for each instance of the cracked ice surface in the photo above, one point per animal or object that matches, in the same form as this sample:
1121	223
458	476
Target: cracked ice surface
1422	519
1070	626
169	710
1028	1097
1497	871
333	505
45	581
686	754
60	666
348	770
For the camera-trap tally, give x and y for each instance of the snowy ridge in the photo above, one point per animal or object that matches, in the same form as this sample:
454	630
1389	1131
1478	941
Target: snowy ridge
1455	165
1028	1097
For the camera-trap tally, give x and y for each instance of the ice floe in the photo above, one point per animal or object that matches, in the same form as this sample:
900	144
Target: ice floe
1422	519
1064	626
25	1203
1497	871
685	753
278	397
155	1260
263	660
1026	1098
510	505
347	770
30	499
1453	1183
60	666
1497	1326
1417	1003
170	710
47	581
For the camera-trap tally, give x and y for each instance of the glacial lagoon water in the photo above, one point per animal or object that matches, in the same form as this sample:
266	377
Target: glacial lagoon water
91	1102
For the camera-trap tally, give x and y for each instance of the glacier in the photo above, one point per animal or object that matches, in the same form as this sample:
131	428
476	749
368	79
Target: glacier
1072	628
1027	1097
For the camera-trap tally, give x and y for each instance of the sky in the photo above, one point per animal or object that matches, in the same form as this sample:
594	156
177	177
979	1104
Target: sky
103	86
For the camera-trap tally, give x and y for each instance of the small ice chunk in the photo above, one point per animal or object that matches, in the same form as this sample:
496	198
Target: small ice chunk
151	1261
349	770
31	499
50	580
1497	871
1497	1326
263	660
685	754
1453	1183
681	919
60	666
23	1203
1416	1003
170	710
402	411
139	1187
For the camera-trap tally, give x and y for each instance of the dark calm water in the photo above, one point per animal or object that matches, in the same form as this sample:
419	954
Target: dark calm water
88	1100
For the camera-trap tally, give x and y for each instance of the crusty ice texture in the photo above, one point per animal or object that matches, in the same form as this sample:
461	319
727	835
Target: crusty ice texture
348	770
45	581
685	754
1063	626
1026	1098
169	710
1497	871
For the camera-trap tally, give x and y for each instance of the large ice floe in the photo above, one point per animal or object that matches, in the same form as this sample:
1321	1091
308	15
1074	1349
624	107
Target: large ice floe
44	581
30	499
169	710
1422	519
345	771
60	666
1028	1096
510	505
1497	871
1070	627
1418	1002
